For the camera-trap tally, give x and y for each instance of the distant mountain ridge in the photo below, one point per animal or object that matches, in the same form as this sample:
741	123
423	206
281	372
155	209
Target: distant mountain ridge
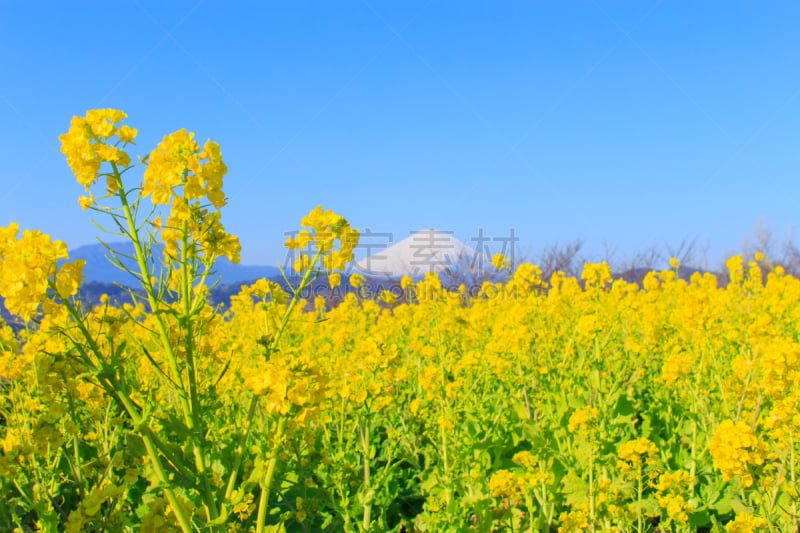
99	268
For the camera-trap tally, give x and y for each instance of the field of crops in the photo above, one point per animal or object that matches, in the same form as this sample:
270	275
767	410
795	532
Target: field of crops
538	405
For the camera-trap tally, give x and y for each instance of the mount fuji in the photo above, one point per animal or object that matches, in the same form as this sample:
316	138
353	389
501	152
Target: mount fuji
422	252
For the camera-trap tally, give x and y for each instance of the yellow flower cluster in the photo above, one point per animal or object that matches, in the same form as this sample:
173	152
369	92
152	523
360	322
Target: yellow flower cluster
583	419
672	488
178	161
735	448
87	146
525	459
748	277
746	523
388	297
505	484
677	365
262	289
576	521
635	453
357	280
596	274
11	441
526	278
323	229
501	262
27	267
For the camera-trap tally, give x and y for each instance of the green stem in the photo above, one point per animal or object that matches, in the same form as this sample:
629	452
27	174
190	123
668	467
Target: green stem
640	520
263	500
296	298
543	501
187	340
198	433
693	471
163	478
794	480
75	447
147	284
364	431
591	484
443	433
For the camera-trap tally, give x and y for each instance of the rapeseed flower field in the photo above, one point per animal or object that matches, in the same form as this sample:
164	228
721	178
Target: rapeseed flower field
557	404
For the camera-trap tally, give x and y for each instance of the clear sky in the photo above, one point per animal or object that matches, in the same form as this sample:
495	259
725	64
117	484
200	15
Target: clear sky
627	123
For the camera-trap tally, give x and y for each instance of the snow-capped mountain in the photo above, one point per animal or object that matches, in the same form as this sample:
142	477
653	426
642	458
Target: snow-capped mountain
422	252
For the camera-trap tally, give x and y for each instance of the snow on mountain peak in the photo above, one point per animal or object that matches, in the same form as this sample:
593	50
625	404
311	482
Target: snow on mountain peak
422	252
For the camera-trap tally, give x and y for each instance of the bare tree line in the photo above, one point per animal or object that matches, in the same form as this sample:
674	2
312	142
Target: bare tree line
691	252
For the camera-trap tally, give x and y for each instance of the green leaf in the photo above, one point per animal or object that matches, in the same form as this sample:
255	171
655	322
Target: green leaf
277	528
519	408
740	507
724	506
623	409
429	483
700	518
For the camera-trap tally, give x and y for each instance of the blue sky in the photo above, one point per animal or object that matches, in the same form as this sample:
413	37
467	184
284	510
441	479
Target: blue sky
626	123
